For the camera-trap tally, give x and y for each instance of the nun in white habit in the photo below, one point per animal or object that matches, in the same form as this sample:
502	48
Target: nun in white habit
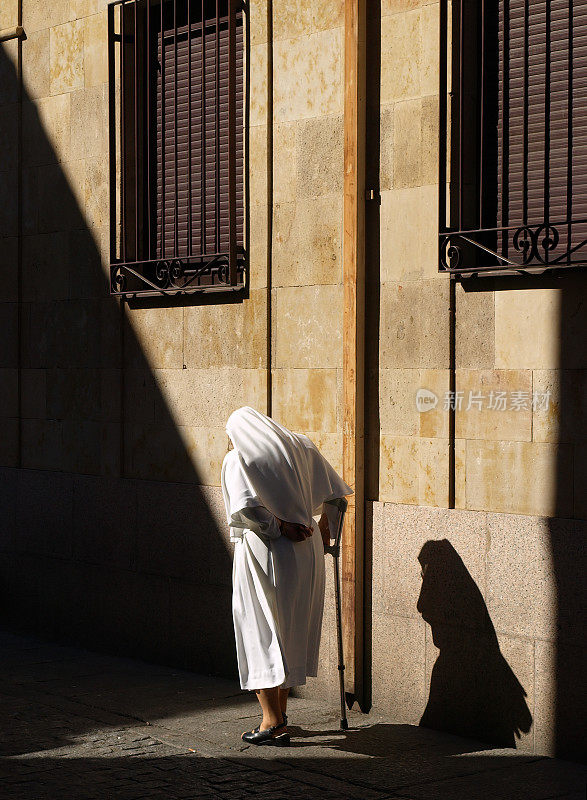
274	482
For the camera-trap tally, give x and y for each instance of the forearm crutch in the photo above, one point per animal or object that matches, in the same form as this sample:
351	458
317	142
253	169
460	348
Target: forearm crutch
334	550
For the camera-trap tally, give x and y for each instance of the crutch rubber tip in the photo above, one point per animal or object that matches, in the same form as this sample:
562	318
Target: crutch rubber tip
344	725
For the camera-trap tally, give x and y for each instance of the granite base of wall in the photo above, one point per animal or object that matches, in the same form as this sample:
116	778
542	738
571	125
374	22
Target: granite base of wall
136	568
478	624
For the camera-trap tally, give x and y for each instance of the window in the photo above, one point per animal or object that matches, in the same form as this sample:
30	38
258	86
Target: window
513	138
176	146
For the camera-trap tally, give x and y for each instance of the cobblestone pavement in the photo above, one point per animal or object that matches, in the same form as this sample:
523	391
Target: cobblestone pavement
83	726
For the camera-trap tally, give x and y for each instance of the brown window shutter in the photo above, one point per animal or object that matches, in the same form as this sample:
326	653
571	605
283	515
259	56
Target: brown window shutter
192	177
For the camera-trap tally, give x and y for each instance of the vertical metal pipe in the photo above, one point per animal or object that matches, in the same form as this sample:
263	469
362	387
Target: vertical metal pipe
189	23
232	140
148	131
162	62
136	126
505	178
175	181
112	132
203	137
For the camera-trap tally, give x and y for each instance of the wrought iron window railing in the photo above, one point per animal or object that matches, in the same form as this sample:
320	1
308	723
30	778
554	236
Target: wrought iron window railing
513	136
176	146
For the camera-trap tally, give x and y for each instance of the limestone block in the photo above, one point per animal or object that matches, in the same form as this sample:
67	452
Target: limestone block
41	444
258	164
36	16
73	393
307	242
399	682
35	63
434	422
8	14
8	392
252	390
480	389
85	8
96	50
415	146
305	399
475	329
9	268
528	605
230	334
97	193
527	329
309	327
399	6
430	36
258	246
46	130
319	156
157	452
460	473
308	76
8	209
140	390
414	324
285	169
326	14
110	449
110	394
386	147
290	19
433	472
34	393
86	279
519	477
9	456
397	401
9	338
109	325
8	81
30	201
330	445
158	337
44	513
75	176
399	533
58	209
105	521
44	273
398	469
401	56
198	397
409	233
258	85
580	480
8	134
89	123
257	19
546	683
76	341
206	449
66	47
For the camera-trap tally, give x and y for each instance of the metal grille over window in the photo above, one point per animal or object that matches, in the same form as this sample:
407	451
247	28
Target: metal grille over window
176	146
513	136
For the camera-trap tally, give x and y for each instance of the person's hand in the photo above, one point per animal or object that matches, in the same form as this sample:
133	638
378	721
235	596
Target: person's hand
324	530
294	531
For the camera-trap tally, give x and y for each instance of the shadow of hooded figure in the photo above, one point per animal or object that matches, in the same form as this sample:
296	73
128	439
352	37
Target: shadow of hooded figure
473	690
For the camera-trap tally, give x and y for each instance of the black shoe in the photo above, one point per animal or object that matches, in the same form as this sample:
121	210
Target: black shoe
267	736
283	723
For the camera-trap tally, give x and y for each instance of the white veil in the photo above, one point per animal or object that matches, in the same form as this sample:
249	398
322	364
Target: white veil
272	467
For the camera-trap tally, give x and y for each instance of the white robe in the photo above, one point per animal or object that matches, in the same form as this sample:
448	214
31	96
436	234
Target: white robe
277	605
278	584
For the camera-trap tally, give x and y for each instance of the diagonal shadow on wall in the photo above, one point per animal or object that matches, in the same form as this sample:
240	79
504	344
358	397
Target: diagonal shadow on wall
107	538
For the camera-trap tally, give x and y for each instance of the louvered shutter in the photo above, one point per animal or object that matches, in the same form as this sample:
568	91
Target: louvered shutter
542	132
192	140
